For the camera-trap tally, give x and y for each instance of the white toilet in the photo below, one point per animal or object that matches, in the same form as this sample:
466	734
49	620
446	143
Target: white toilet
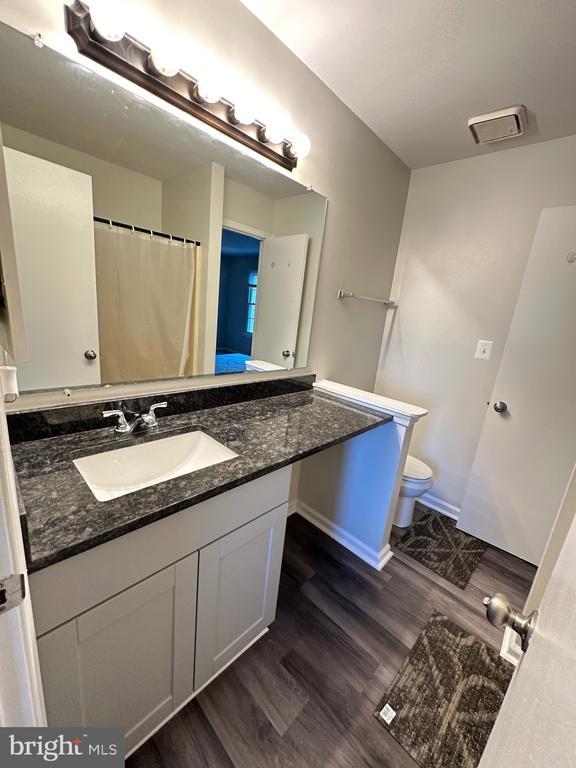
416	480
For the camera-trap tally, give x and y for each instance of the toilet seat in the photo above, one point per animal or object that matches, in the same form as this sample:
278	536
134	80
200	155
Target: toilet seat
417	470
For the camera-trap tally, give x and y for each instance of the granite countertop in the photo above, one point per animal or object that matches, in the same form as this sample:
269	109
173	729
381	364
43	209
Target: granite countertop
63	518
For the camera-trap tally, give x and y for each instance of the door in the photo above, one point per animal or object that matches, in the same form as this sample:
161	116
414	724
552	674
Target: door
528	446
21	699
535	726
52	218
12	335
238	580
127	662
279	297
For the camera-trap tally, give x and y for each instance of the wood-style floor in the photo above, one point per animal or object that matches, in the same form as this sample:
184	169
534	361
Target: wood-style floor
305	694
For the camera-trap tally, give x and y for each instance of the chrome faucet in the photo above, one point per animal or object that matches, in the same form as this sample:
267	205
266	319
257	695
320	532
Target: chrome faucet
145	420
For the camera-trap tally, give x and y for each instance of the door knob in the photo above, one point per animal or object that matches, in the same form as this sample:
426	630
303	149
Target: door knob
500	406
500	613
89	354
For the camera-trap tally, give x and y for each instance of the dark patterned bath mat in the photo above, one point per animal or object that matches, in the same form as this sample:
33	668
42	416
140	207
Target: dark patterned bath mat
435	542
444	701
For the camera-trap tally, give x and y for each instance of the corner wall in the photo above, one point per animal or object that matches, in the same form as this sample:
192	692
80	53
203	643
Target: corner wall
465	242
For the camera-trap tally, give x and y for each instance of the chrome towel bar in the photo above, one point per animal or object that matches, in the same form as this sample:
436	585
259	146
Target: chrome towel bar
388	303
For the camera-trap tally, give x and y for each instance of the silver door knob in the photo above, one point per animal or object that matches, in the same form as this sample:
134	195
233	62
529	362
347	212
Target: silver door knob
500	406
500	613
90	354
286	353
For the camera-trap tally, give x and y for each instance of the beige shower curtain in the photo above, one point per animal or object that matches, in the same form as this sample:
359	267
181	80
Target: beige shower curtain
146	318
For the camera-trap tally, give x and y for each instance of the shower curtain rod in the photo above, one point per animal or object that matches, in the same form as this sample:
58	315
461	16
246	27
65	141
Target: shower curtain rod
113	223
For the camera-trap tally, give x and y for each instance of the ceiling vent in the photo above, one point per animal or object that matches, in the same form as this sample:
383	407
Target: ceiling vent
499	125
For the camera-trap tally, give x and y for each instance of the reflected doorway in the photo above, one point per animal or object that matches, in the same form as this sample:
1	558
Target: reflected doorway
239	260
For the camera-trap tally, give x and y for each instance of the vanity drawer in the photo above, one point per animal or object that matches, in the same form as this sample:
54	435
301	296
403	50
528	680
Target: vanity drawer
62	591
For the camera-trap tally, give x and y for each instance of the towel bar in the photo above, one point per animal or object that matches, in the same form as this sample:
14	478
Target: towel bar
388	303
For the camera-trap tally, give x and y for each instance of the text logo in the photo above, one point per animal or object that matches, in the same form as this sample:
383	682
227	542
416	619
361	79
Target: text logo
62	746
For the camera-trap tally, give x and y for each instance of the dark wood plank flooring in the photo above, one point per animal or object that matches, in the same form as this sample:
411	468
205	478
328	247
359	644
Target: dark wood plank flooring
304	695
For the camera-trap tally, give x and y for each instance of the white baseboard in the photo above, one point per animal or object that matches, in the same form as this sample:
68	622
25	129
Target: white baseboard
440	506
371	556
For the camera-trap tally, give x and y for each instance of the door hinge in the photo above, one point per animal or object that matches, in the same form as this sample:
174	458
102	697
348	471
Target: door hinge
12	591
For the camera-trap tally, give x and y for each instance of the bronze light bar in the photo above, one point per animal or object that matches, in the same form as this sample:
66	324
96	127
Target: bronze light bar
131	59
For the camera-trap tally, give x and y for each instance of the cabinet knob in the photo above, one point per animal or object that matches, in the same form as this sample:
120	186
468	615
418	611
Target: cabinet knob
90	354
500	406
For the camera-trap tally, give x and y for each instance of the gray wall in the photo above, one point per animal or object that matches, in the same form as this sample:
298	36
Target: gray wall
465	243
365	183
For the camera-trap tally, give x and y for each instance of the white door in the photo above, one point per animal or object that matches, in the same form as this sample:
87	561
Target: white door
535	726
12	334
52	216
21	700
525	454
281	271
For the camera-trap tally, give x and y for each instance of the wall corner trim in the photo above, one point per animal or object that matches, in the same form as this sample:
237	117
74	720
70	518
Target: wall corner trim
374	558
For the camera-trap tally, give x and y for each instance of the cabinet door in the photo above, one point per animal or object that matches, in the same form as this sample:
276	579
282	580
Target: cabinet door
238	579
115	664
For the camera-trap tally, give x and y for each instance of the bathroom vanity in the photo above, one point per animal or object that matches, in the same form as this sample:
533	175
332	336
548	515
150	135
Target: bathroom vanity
139	601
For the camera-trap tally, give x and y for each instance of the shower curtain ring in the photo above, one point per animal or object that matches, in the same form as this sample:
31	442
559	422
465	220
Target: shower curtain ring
109	223
133	230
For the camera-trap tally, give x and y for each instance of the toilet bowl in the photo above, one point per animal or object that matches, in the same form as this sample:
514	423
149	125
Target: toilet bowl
416	480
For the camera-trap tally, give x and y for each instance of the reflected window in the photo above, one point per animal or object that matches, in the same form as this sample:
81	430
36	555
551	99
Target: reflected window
252	288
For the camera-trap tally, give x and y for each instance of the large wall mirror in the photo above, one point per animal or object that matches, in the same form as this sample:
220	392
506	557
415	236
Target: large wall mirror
110	195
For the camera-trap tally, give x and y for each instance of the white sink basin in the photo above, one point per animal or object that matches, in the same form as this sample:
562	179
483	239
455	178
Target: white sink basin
125	470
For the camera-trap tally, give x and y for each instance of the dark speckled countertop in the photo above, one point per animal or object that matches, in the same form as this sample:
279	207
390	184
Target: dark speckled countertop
63	517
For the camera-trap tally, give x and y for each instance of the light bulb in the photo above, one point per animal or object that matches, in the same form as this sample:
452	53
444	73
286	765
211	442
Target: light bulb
301	145
277	125
274	133
108	22
245	100
244	113
209	90
164	62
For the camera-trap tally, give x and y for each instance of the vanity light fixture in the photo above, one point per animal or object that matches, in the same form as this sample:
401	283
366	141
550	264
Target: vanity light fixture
101	36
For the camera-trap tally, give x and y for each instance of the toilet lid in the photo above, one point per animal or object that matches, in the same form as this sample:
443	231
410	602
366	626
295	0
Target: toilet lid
416	469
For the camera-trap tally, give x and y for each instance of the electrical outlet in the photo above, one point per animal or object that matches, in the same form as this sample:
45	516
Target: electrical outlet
483	349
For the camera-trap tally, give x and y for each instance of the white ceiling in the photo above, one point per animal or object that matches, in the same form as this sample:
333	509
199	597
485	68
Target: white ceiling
416	70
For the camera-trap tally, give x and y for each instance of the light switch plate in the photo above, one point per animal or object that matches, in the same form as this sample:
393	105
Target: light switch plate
484	349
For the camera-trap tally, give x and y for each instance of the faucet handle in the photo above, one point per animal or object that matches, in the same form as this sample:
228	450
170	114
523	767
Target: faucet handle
122	425
150	417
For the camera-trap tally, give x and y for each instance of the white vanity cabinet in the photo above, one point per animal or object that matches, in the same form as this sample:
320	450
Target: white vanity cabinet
134	657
